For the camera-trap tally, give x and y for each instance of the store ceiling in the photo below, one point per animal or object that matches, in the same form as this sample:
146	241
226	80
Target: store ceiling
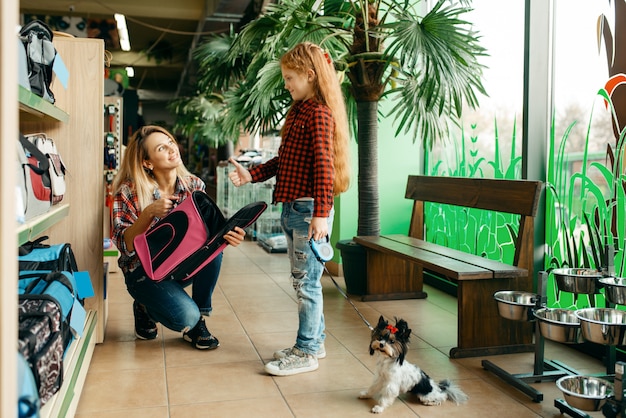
162	34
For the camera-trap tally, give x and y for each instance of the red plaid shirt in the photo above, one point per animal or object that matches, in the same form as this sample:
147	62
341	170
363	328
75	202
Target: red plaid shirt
304	166
126	211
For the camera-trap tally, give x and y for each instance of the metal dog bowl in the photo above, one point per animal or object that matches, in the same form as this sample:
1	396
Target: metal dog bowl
585	392
515	305
603	325
615	289
574	280
560	325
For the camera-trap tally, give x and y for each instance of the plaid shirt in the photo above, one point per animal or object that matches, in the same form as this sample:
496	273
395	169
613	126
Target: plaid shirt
304	166
126	211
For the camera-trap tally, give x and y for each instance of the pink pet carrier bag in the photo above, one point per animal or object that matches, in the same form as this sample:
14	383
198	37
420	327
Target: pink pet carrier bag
189	237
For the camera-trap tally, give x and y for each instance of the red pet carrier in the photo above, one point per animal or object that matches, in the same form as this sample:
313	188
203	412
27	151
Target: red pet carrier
189	237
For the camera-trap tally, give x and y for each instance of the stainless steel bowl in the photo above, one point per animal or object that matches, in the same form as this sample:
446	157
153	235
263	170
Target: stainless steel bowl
614	289
603	325
560	325
574	280
585	392
515	305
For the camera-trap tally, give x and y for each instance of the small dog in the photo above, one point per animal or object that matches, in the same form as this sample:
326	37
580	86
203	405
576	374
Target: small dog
395	375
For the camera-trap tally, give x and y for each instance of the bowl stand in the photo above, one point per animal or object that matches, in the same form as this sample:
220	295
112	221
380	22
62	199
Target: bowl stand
543	370
615	371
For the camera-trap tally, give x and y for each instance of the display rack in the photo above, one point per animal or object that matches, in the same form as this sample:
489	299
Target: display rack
270	233
112	140
75	123
267	230
112	153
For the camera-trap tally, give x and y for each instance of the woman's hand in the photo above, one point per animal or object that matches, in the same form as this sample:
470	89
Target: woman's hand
241	175
235	237
158	208
318	228
163	206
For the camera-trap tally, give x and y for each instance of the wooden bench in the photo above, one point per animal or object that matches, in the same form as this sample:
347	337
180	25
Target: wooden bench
396	263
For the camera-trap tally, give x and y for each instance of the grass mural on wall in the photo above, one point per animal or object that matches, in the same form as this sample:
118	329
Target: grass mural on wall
485	233
585	207
585	221
585	213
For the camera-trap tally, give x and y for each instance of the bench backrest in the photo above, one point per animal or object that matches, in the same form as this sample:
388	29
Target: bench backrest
509	196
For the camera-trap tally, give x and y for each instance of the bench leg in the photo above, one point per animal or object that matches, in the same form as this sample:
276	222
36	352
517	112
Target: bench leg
391	278
481	330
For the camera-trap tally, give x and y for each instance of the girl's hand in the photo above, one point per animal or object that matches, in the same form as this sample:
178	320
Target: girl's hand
318	228
235	237
241	175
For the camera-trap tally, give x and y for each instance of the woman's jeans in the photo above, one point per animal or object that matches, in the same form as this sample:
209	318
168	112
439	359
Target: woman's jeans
306	274
167	301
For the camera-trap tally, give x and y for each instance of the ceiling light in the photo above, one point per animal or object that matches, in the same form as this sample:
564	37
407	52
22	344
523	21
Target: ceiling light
130	72
123	31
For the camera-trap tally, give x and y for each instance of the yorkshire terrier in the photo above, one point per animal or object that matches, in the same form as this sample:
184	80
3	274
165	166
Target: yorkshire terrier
394	375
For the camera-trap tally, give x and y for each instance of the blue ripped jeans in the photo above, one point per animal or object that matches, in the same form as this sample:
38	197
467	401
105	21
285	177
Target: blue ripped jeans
169	303
306	274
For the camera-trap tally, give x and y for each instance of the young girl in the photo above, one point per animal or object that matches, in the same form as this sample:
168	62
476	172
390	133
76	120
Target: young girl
311	168
151	180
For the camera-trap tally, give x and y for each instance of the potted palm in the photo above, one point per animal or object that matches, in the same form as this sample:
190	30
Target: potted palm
426	63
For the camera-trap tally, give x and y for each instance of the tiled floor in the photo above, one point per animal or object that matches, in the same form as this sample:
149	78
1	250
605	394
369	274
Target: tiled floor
255	314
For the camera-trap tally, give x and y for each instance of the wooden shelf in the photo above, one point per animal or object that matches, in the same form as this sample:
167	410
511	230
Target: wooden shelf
80	143
36	107
31	229
75	365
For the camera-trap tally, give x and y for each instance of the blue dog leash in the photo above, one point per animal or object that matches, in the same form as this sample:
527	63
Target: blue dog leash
316	252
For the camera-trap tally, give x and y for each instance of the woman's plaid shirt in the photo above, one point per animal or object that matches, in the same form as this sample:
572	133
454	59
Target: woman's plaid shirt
304	166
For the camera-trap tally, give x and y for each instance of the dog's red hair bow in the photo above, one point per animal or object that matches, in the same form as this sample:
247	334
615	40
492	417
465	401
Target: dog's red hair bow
392	329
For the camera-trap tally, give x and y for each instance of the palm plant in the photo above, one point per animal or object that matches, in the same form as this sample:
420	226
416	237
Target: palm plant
200	117
427	65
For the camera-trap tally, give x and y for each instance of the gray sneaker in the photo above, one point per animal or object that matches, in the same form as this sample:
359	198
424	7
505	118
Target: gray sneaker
285	352
295	363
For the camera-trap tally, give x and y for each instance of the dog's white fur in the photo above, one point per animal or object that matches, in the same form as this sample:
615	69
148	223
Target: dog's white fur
394	375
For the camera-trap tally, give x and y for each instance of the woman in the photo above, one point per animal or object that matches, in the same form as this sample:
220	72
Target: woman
151	181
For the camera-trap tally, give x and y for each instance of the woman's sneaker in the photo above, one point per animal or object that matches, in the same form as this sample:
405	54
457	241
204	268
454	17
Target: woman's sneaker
200	337
145	328
321	353
295	363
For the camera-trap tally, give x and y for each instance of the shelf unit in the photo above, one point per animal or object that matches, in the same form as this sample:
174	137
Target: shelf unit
35	227
75	123
33	105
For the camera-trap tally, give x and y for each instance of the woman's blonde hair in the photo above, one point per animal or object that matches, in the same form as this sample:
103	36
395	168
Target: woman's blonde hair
133	170
305	56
